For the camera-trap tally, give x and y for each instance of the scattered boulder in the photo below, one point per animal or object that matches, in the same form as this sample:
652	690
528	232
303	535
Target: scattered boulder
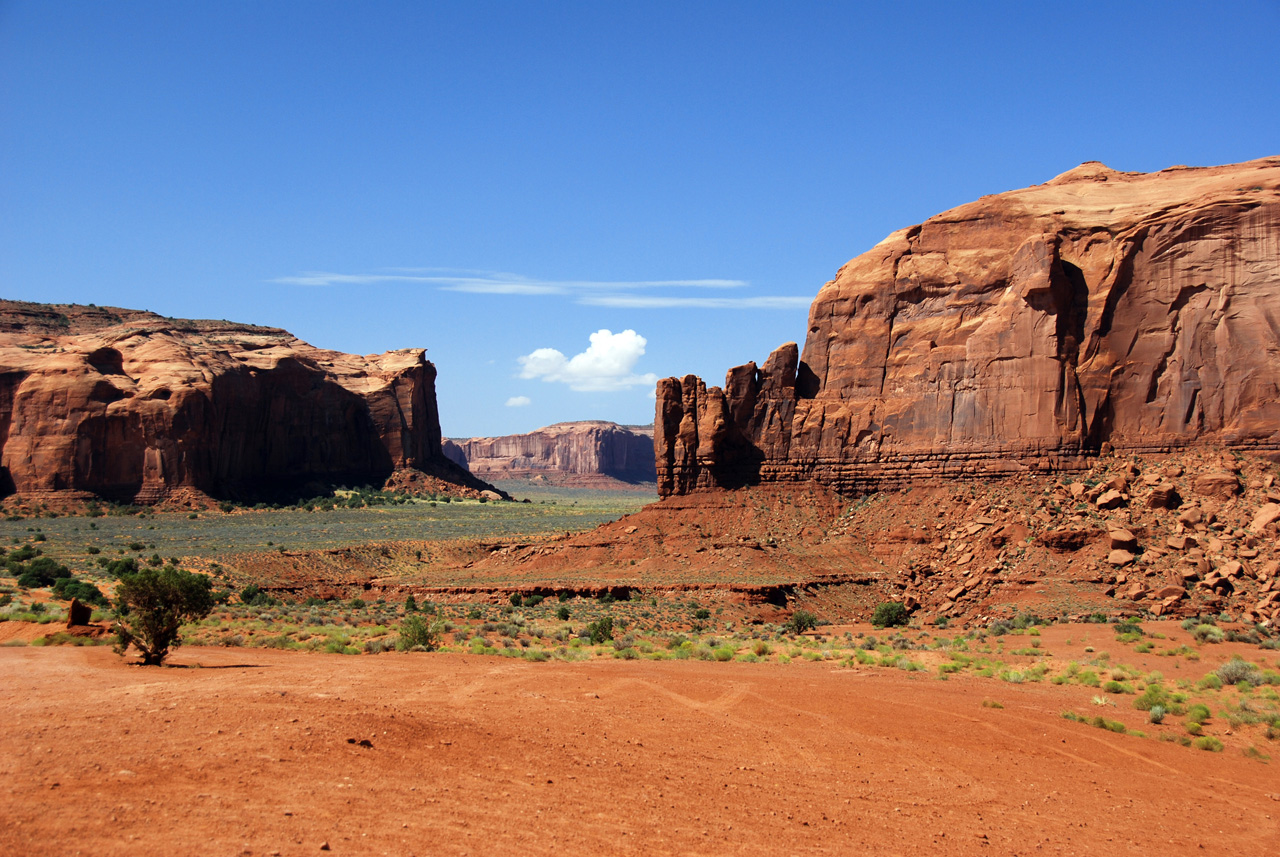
1123	540
1269	513
1120	558
1164	496
1067	540
1191	517
1217	483
1111	499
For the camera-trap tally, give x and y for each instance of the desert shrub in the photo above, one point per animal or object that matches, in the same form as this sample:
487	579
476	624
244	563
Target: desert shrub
68	588
801	621
153	604
1237	671
1155	694
563	613
702	614
1128	628
1156	714
1198	713
1208	634
1110	725
22	554
1208	742
601	630
1248	635
419	634
890	614
1210	682
410	604
1000	627
533	600
119	567
41	571
516	599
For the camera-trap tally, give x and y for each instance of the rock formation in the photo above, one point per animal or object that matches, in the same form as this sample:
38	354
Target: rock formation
1027	330
130	406
569	453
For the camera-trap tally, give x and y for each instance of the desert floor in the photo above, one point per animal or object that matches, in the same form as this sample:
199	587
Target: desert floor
239	751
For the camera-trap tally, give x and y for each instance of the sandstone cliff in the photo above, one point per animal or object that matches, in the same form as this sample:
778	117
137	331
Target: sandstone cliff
129	405
573	452
1026	330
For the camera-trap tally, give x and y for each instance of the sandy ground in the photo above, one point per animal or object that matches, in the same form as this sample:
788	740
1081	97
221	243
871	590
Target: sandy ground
259	752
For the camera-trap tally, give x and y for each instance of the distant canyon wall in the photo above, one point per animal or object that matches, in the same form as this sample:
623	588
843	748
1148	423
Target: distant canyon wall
128	405
566	452
1026	330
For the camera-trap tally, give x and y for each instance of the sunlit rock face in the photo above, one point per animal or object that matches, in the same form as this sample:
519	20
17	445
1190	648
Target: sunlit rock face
129	405
1026	330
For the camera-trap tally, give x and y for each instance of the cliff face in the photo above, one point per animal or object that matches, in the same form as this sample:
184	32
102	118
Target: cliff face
1022	331
575	449
129	406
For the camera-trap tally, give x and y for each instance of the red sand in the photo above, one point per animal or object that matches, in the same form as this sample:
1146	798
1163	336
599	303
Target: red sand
252	754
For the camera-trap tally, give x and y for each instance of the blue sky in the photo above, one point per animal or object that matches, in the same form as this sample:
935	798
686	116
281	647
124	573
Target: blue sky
565	201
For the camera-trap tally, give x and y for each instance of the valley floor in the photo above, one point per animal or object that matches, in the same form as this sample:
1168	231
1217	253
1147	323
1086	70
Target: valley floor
256	751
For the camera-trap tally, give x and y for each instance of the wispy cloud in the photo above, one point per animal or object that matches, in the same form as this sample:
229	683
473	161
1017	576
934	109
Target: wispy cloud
664	302
607	293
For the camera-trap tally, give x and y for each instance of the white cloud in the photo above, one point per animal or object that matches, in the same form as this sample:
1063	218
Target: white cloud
664	302
519	401
605	366
490	283
607	293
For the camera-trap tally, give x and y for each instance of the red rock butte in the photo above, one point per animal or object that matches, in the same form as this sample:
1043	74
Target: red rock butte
1029	330
132	406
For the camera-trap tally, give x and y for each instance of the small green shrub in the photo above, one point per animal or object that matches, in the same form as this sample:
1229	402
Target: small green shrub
1208	634
890	614
601	630
1208	742
1238	671
419	634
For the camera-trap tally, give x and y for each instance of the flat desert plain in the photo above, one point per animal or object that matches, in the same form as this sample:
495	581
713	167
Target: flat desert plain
253	751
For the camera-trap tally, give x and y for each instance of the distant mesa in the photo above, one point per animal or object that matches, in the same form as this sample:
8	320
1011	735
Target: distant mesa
590	453
131	406
1029	330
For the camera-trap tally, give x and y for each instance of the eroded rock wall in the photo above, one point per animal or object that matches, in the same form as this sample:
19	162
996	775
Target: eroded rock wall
1026	330
130	406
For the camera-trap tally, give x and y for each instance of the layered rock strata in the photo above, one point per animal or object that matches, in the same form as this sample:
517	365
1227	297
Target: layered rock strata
571	451
1025	331
131	406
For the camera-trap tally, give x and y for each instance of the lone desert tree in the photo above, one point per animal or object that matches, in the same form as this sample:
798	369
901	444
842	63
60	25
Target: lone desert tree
152	604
